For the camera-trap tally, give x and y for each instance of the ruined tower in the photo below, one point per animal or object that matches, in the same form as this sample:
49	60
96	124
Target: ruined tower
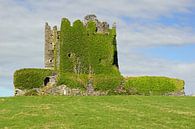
53	44
52	36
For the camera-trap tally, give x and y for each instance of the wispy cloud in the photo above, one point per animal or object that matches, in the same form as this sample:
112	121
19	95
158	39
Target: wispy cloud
131	8
155	34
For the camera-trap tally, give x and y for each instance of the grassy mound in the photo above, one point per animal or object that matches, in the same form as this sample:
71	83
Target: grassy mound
103	112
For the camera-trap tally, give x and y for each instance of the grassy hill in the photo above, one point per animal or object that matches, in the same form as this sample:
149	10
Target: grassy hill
103	112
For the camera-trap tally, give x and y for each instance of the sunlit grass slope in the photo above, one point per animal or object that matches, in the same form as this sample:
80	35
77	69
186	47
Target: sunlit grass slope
103	112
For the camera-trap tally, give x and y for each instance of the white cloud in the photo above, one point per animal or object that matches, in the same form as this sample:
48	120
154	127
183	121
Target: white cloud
131	8
153	35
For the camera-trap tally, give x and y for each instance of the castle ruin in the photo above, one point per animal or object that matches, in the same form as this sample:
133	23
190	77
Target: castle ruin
81	59
52	41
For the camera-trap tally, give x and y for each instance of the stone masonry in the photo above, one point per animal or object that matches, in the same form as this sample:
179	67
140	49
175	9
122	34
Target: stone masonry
51	46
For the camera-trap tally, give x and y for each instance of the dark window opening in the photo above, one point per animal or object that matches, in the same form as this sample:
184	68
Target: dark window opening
69	55
115	61
100	60
46	80
50	61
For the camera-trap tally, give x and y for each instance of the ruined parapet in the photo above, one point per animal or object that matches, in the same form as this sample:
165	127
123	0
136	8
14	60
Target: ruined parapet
51	46
102	27
90	17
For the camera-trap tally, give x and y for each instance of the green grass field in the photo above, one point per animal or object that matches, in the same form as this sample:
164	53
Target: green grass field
102	112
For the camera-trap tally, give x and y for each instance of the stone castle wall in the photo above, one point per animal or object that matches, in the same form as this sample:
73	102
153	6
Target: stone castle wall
51	46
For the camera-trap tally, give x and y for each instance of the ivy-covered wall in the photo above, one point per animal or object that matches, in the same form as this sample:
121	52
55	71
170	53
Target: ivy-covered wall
29	78
153	85
100	82
84	51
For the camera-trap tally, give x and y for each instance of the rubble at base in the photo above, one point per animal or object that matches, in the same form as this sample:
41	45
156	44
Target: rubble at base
62	90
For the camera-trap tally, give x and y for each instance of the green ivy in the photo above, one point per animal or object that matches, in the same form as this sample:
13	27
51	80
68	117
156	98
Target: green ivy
149	85
100	82
30	78
105	82
83	51
73	80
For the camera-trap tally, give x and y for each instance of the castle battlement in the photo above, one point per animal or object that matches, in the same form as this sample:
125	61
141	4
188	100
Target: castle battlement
102	27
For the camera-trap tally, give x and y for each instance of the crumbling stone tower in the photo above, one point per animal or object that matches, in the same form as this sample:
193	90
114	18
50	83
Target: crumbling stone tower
52	36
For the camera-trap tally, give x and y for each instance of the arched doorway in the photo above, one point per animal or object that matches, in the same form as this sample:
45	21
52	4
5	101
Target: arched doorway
46	80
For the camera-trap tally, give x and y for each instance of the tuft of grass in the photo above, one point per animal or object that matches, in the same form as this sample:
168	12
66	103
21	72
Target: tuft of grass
101	112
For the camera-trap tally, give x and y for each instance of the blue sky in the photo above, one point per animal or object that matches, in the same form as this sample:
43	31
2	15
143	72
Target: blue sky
183	53
154	37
